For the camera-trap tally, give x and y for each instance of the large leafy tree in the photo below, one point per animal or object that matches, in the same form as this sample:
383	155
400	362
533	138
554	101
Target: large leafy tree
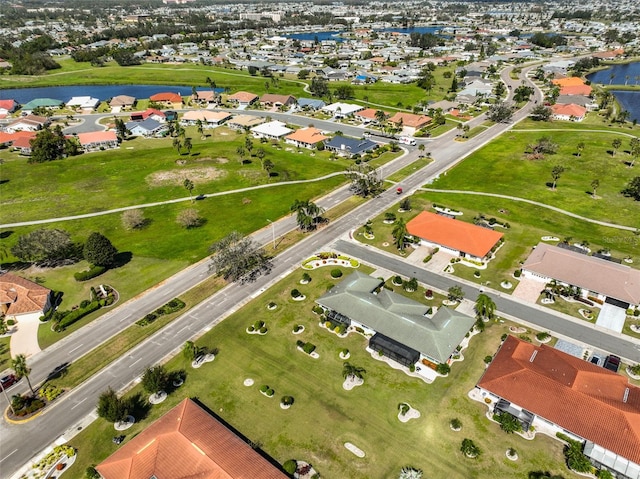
541	113
45	247
631	190
455	293
556	172
500	112
48	145
237	258
111	407
365	180
22	369
99	251
155	379
634	150
308	214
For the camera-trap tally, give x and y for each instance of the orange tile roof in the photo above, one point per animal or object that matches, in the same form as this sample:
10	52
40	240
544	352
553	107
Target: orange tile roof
454	234
97	137
185	443
21	295
411	120
580	397
12	137
275	98
570	109
369	113
243	96
308	135
568	81
166	96
576	90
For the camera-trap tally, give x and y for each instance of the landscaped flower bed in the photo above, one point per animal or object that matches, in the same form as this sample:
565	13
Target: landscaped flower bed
329	259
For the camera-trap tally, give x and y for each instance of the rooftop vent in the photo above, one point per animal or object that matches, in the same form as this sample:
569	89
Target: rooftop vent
533	356
626	395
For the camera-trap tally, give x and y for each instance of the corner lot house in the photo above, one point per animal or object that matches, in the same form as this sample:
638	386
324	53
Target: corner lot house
306	137
410	122
398	326
454	236
349	147
187	442
609	282
20	297
98	140
542	386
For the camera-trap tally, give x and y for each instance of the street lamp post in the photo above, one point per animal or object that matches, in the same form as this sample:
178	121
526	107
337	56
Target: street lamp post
273	234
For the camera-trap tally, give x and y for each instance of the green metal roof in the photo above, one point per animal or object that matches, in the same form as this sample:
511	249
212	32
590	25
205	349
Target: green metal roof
42	102
397	316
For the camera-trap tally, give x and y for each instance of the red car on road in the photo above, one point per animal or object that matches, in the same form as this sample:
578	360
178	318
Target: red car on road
8	381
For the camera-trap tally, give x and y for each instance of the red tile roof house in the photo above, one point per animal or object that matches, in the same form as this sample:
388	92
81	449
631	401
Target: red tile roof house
19	297
550	389
570	112
8	106
98	140
168	99
23	143
594	277
271	99
187	443
242	98
410	123
368	115
454	236
149	113
28	123
306	137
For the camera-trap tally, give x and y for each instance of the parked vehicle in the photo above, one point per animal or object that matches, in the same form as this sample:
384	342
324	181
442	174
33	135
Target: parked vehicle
612	363
8	381
406	140
399	191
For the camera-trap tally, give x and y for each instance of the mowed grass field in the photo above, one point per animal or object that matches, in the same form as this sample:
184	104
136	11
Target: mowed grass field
501	167
324	415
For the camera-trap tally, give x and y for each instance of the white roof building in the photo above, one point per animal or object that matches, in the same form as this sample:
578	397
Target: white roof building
342	109
273	129
83	102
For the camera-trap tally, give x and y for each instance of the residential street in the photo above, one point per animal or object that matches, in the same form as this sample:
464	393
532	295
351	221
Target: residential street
21	442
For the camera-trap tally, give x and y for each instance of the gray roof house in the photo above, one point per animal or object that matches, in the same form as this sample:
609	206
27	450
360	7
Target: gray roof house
346	146
311	103
402	330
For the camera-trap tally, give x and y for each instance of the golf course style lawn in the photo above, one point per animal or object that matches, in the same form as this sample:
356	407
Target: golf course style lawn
501	167
324	416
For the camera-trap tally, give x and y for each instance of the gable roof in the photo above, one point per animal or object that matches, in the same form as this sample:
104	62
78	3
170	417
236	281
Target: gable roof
22	296
42	102
8	105
582	398
122	100
411	120
606	277
275	98
454	234
397	316
369	113
308	135
11	138
186	443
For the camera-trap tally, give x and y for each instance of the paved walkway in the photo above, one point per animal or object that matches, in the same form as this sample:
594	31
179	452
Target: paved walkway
536	203
25	339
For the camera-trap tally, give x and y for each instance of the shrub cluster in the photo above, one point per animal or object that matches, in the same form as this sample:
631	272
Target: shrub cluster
50	392
317	309
24	405
295	293
290	466
90	273
171	307
336	273
306	347
63	319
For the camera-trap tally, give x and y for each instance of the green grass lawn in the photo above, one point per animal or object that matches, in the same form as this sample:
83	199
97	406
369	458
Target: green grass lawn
501	167
5	354
324	415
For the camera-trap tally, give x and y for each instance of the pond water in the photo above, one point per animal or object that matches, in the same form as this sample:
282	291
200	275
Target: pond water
619	75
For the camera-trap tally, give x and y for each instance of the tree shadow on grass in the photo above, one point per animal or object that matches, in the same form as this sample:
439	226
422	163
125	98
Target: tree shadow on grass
5	234
122	258
139	407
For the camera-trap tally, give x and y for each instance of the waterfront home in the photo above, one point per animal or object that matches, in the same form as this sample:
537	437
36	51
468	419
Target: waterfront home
167	99
46	103
122	102
84	103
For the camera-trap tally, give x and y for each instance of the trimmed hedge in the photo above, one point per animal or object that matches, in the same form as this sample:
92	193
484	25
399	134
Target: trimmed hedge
90	273
170	307
70	317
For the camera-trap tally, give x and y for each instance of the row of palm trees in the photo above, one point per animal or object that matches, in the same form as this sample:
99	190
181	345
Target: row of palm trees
22	370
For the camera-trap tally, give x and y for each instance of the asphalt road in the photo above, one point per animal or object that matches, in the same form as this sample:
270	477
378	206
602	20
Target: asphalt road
20	443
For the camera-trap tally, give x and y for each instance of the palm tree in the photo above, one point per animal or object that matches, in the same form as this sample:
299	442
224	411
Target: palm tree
594	184
616	143
349	371
469	448
380	116
177	144
241	152
260	153
556	172
19	365
399	233
188	184
200	128
188	145
268	166
485	307
580	148
635	150
307	214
